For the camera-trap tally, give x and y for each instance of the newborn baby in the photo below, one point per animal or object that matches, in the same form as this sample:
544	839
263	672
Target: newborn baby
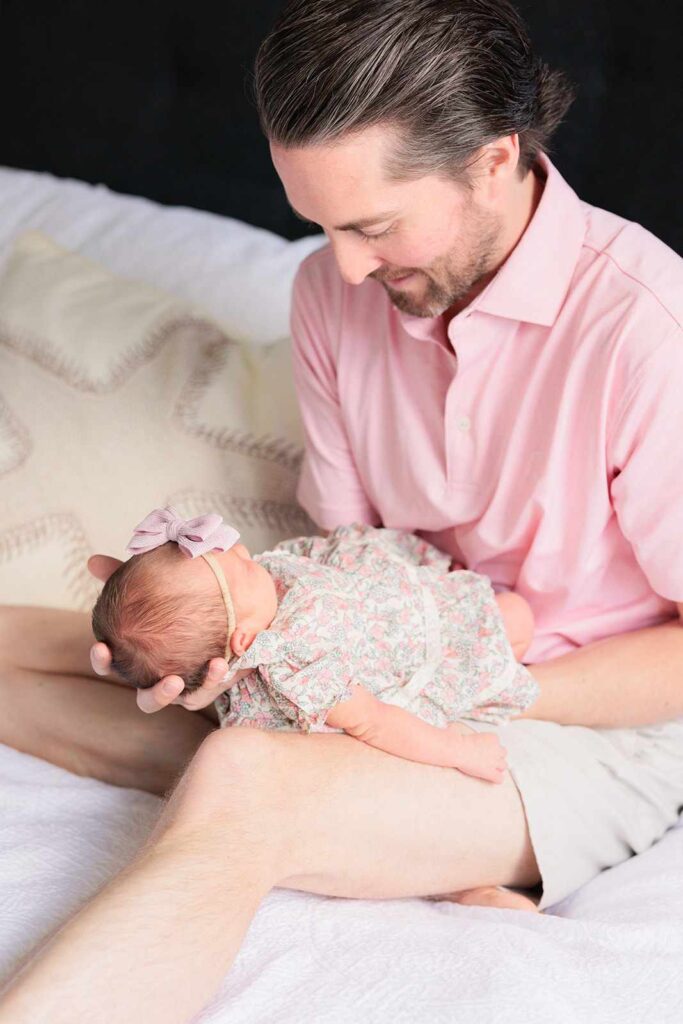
365	631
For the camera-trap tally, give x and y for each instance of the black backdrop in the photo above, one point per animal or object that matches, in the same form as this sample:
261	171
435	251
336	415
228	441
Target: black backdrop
149	97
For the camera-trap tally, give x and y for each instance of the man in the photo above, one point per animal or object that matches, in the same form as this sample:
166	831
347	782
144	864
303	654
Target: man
483	358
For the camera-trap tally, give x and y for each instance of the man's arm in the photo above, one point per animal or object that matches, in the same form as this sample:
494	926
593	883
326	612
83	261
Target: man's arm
635	678
622	681
47	640
330	488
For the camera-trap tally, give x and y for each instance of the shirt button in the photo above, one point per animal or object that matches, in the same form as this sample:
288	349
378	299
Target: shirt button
464	424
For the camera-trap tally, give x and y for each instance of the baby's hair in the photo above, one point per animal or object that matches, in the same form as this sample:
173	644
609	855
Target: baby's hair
157	621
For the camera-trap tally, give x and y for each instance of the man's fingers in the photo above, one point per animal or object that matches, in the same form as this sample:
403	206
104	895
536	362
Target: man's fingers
216	672
202	697
211	688
100	659
169	689
160	695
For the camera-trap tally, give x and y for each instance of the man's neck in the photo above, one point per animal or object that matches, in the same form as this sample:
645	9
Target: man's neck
524	207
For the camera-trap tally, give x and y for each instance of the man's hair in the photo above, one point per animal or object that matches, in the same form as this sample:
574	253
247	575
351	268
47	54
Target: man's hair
450	75
153	626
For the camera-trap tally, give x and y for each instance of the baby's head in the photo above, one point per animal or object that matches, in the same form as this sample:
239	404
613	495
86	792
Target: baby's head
168	612
162	613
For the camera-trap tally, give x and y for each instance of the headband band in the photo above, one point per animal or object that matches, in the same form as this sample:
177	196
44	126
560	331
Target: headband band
225	591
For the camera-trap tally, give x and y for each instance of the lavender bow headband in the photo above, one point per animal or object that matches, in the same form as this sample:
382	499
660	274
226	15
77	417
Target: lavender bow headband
194	536
197	537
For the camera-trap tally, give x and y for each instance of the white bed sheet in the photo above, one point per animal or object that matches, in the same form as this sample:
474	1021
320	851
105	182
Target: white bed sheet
612	952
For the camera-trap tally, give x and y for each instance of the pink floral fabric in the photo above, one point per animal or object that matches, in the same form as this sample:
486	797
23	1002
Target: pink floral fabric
377	607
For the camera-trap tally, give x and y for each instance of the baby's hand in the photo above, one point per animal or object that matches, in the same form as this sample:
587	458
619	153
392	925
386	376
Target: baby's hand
481	755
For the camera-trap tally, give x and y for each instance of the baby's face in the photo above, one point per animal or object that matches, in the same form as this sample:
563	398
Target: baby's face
251	587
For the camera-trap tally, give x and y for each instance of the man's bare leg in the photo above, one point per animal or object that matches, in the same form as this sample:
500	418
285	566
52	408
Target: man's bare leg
255	809
54	707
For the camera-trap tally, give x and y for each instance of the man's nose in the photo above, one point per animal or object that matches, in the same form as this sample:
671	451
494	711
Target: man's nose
353	259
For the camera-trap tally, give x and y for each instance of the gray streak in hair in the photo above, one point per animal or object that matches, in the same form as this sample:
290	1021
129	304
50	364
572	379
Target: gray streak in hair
450	75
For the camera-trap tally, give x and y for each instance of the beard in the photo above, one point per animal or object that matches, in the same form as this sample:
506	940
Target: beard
451	278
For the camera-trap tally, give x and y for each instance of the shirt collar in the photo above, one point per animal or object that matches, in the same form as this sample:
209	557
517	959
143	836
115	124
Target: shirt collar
532	283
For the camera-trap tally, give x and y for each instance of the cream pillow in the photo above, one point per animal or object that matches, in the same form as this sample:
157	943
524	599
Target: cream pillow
116	398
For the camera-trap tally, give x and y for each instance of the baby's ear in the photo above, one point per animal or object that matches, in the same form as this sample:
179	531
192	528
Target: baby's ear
241	640
102	566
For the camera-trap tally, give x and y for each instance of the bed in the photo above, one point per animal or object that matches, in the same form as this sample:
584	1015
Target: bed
613	951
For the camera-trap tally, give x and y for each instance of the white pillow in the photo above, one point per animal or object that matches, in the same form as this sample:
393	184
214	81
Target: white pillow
116	398
238	274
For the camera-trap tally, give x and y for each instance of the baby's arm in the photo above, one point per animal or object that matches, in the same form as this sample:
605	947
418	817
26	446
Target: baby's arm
517	616
518	620
399	732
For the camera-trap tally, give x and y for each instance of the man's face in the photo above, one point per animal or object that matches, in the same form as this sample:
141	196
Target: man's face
428	241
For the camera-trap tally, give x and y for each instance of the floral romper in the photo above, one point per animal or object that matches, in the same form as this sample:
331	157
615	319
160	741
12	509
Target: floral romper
377	607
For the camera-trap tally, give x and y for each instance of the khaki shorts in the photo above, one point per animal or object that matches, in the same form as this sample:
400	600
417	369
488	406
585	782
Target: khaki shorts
592	797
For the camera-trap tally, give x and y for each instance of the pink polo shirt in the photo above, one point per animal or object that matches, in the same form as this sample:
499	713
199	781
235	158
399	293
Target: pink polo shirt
547	452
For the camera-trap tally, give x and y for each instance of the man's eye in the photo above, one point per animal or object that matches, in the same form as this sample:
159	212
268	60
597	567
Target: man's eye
369	238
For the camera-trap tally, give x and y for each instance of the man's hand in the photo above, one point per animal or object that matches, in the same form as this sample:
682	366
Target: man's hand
169	689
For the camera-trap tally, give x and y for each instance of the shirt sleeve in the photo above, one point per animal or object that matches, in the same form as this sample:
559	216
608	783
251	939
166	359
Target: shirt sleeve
645	452
329	488
306	694
249	702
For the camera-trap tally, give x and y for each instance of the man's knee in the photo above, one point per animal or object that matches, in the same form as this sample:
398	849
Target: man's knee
229	802
232	776
239	750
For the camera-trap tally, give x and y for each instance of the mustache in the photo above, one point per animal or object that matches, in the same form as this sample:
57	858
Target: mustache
388	278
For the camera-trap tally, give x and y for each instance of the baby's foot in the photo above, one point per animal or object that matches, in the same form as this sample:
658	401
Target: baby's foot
481	755
490	896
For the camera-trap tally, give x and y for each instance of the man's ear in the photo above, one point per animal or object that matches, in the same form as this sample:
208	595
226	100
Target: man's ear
102	566
495	164
241	640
